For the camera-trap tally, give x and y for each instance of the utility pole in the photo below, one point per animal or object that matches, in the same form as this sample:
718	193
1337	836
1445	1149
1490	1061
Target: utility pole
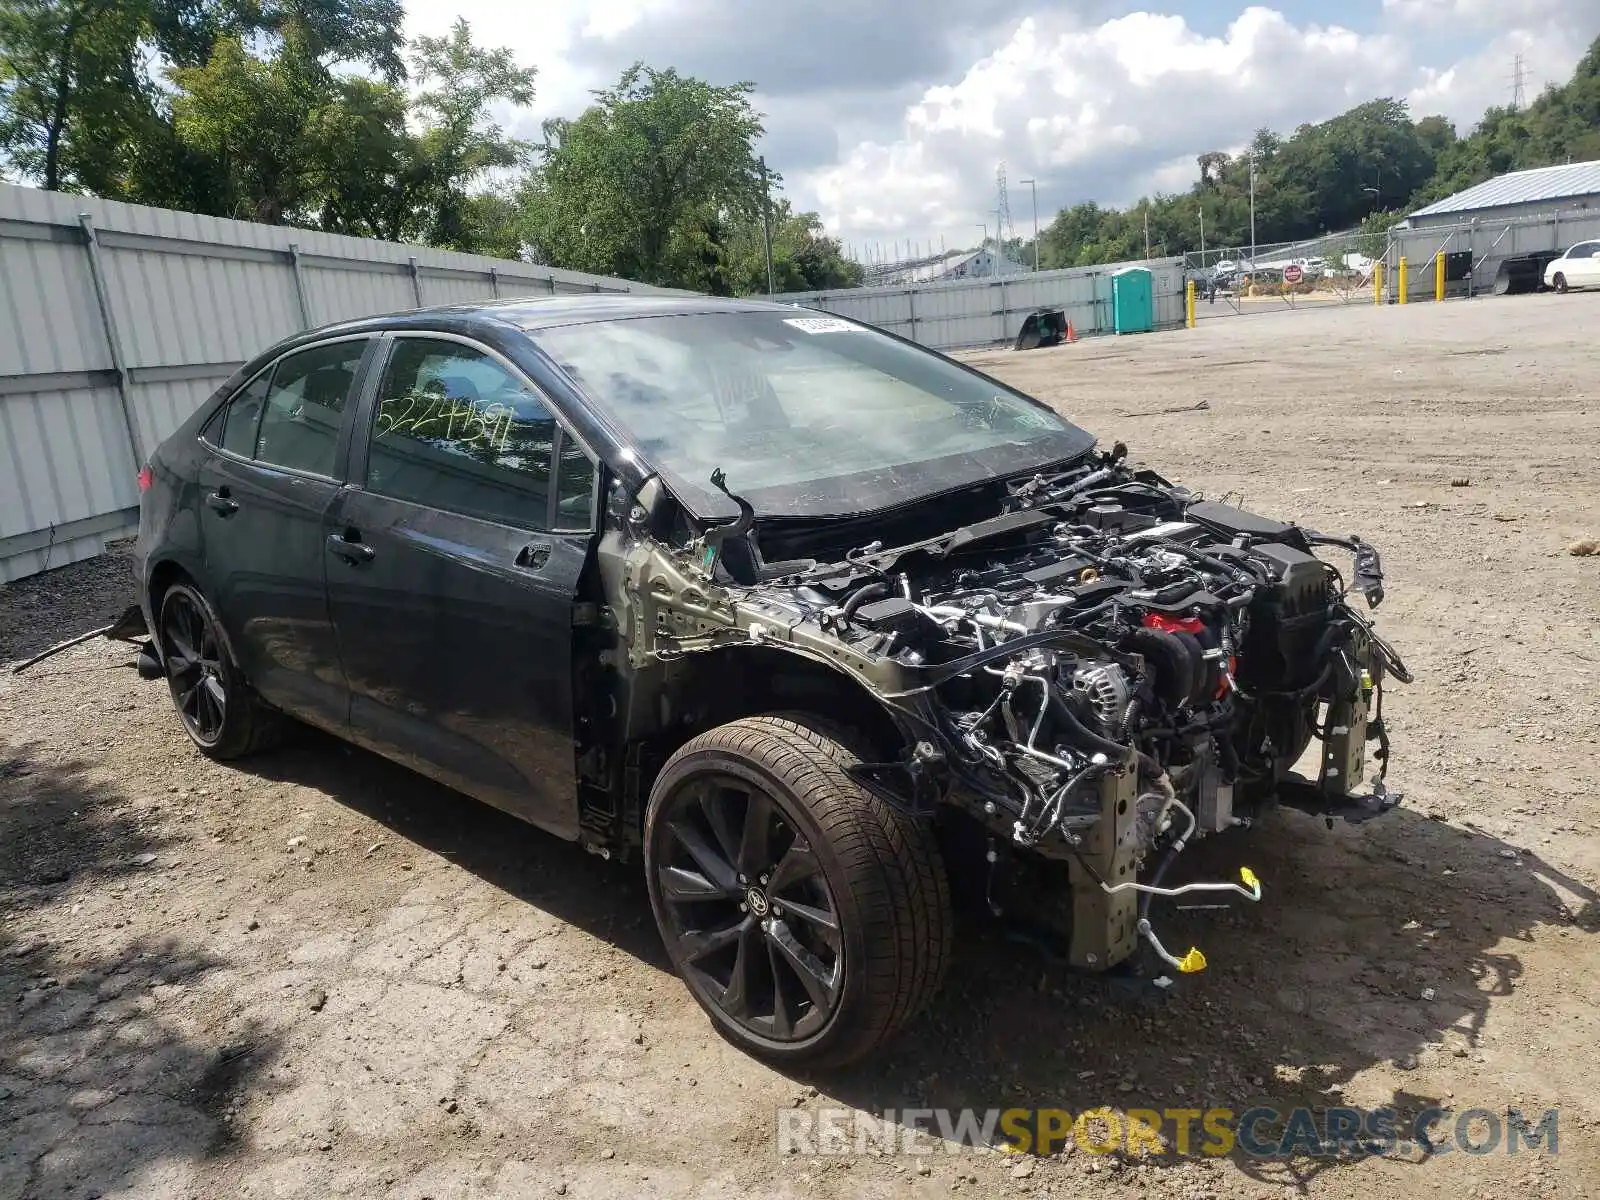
1147	232
1252	216
983	245
1202	237
766	222
1034	188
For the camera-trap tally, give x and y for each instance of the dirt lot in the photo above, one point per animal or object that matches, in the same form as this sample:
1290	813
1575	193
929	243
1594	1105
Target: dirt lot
315	974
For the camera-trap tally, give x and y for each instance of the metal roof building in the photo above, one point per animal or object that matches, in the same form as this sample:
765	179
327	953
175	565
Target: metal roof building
1574	186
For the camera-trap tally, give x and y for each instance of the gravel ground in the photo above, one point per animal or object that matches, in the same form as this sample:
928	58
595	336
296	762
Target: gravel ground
41	610
315	974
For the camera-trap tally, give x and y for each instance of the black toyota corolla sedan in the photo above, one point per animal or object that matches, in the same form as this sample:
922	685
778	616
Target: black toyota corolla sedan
796	612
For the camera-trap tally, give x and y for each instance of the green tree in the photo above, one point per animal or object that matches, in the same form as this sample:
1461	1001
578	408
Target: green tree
804	257
72	87
257	118
365	174
80	107
459	145
649	182
365	32
297	140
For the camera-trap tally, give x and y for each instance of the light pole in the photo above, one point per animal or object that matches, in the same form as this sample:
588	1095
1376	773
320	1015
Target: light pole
766	221
1252	216
983	245
1032	187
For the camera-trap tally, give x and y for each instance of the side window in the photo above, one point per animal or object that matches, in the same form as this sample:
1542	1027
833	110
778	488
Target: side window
574	489
304	406
1583	250
242	415
453	429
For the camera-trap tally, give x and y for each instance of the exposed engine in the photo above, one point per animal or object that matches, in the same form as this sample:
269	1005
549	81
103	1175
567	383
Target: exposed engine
1111	635
1100	669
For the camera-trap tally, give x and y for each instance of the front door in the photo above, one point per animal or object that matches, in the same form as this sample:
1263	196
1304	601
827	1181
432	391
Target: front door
453	564
1585	269
264	493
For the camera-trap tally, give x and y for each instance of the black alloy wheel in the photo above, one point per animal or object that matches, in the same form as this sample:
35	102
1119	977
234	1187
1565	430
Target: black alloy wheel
194	665
1560	282
809	918
755	922
220	712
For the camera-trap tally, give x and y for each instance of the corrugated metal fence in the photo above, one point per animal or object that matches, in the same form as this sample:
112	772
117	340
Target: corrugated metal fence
1492	240
981	312
117	321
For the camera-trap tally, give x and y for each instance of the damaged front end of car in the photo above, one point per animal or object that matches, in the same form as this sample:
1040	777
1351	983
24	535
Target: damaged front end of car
1103	669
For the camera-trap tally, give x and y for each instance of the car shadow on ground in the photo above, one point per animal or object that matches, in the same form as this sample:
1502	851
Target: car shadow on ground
606	899
99	1083
1322	980
1382	944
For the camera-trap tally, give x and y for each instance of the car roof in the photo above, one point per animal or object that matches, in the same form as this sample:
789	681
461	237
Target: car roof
533	313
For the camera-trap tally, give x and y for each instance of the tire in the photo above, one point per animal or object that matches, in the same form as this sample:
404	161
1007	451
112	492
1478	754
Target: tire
219	711
1560	282
752	909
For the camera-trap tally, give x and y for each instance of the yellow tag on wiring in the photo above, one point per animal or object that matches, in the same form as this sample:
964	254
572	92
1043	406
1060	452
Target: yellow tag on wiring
1249	877
1192	962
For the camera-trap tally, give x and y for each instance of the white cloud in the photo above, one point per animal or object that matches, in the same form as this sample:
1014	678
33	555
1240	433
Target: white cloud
1103	112
1113	110
541	35
1094	105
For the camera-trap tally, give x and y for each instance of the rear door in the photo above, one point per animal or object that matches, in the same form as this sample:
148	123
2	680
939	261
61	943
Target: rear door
277	453
454	557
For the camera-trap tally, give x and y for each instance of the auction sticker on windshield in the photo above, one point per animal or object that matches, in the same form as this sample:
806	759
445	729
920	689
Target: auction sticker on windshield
822	325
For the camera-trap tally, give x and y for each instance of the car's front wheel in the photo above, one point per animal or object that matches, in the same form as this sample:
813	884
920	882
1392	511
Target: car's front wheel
808	918
1560	282
219	711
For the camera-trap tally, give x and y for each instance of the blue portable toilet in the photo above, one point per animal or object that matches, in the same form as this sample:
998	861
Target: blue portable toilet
1133	300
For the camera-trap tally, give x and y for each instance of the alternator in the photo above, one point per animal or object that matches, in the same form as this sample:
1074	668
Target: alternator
1106	689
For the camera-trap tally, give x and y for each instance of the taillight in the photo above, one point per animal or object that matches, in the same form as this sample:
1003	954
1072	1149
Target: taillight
146	477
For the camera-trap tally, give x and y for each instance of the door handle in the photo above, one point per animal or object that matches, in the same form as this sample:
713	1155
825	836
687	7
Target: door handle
533	556
222	503
349	546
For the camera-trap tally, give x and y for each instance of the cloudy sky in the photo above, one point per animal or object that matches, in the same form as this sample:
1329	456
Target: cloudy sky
889	118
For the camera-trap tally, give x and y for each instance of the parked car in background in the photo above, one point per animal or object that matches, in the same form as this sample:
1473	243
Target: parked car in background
1579	267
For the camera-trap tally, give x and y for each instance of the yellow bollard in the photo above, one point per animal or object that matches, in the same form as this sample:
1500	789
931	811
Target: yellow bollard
1400	284
1377	282
1438	277
1188	303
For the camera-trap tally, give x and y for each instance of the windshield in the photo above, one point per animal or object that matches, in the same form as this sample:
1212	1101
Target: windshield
808	415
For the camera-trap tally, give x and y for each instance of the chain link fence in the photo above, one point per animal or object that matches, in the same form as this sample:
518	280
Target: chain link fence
1283	276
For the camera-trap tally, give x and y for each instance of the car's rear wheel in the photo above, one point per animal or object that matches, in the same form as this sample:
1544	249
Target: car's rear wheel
218	710
807	917
1560	282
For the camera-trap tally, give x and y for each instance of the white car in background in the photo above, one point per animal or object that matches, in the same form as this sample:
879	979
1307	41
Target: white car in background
1579	267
